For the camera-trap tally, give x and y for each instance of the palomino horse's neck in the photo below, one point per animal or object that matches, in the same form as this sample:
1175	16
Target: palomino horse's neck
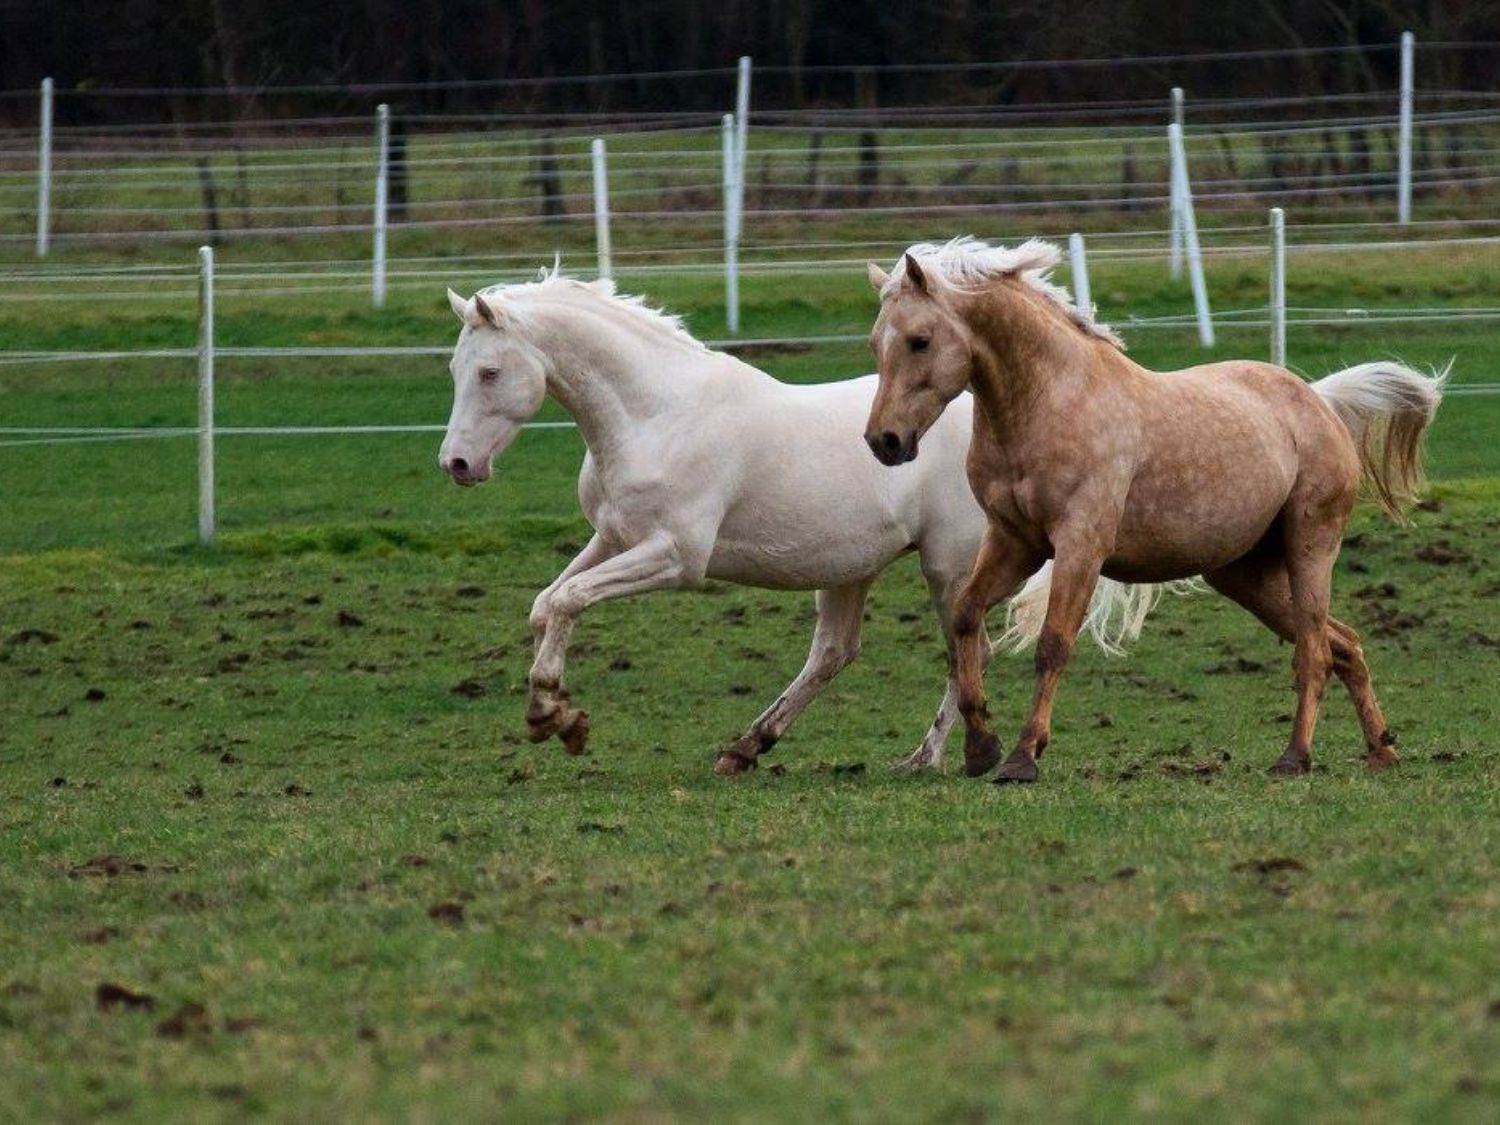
611	368
1027	354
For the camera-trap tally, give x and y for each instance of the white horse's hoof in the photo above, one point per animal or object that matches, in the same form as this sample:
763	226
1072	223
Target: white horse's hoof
922	760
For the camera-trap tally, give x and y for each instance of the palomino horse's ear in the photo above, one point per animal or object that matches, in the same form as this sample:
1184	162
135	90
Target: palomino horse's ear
915	274
486	311
459	306
878	277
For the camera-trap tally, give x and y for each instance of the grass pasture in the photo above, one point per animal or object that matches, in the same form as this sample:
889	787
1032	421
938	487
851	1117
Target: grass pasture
275	801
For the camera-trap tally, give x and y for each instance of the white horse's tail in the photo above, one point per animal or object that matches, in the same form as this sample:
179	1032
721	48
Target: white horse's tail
1387	408
1116	614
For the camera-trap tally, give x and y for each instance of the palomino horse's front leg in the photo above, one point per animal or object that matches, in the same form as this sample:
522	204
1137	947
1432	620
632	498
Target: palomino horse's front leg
835	645
654	564
1000	568
1074	575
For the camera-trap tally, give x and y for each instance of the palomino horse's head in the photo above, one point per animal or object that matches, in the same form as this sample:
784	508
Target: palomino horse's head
499	382
924	353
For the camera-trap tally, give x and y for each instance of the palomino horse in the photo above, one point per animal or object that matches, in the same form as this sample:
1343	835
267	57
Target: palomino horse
1237	471
699	466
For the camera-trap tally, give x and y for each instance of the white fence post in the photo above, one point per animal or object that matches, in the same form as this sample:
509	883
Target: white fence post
1278	286
731	233
741	142
601	207
382	190
1190	236
44	174
206	395
1174	204
1080	267
1403	143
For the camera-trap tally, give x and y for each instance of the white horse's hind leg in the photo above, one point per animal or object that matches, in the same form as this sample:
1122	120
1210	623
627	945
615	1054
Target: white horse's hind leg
835	645
656	564
929	755
945	565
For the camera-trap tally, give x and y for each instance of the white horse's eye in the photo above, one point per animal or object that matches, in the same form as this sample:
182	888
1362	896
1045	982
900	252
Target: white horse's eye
488	374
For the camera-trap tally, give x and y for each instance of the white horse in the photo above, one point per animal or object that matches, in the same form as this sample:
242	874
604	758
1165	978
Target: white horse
700	466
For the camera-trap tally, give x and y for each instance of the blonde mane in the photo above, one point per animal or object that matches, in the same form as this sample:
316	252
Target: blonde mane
968	263
551	282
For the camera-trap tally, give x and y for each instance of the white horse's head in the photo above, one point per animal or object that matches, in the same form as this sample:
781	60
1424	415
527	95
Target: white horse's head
499	382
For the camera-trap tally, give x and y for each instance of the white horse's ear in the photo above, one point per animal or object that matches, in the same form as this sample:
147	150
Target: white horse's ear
915	274
459	306
878	277
486	311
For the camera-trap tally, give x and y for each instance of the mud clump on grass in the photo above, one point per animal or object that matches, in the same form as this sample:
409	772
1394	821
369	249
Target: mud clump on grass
1272	866
190	1019
449	912
109	996
1239	666
469	689
1441	553
33	636
108	867
594	827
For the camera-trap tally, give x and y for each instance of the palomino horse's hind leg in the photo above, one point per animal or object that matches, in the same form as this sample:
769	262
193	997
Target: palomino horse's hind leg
1001	567
1350	666
1312	532
835	645
1260	584
1075	572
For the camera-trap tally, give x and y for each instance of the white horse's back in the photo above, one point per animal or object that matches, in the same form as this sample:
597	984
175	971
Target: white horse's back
813	510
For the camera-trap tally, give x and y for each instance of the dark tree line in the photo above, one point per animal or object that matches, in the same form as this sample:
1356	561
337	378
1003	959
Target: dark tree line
256	45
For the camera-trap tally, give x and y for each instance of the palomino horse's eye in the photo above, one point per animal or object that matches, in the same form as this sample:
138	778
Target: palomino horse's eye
488	374
919	343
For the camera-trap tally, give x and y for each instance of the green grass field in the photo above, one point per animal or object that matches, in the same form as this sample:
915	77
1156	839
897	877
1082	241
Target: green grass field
272	843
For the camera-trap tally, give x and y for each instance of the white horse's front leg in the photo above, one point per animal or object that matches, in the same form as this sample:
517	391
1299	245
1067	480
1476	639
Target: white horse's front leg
655	564
594	552
835	646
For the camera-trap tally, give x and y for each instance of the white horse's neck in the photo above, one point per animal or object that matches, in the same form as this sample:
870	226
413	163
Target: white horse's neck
614	367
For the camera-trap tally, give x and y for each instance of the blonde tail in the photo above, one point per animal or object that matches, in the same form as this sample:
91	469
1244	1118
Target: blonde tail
1387	409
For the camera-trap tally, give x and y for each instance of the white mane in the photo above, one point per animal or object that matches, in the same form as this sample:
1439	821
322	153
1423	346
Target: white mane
552	283
969	264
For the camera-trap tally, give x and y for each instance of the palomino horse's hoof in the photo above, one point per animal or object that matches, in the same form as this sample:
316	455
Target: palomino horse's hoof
981	758
575	734
1384	756
1289	766
1018	768
731	763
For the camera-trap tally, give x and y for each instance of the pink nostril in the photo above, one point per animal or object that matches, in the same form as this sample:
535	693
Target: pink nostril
458	465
